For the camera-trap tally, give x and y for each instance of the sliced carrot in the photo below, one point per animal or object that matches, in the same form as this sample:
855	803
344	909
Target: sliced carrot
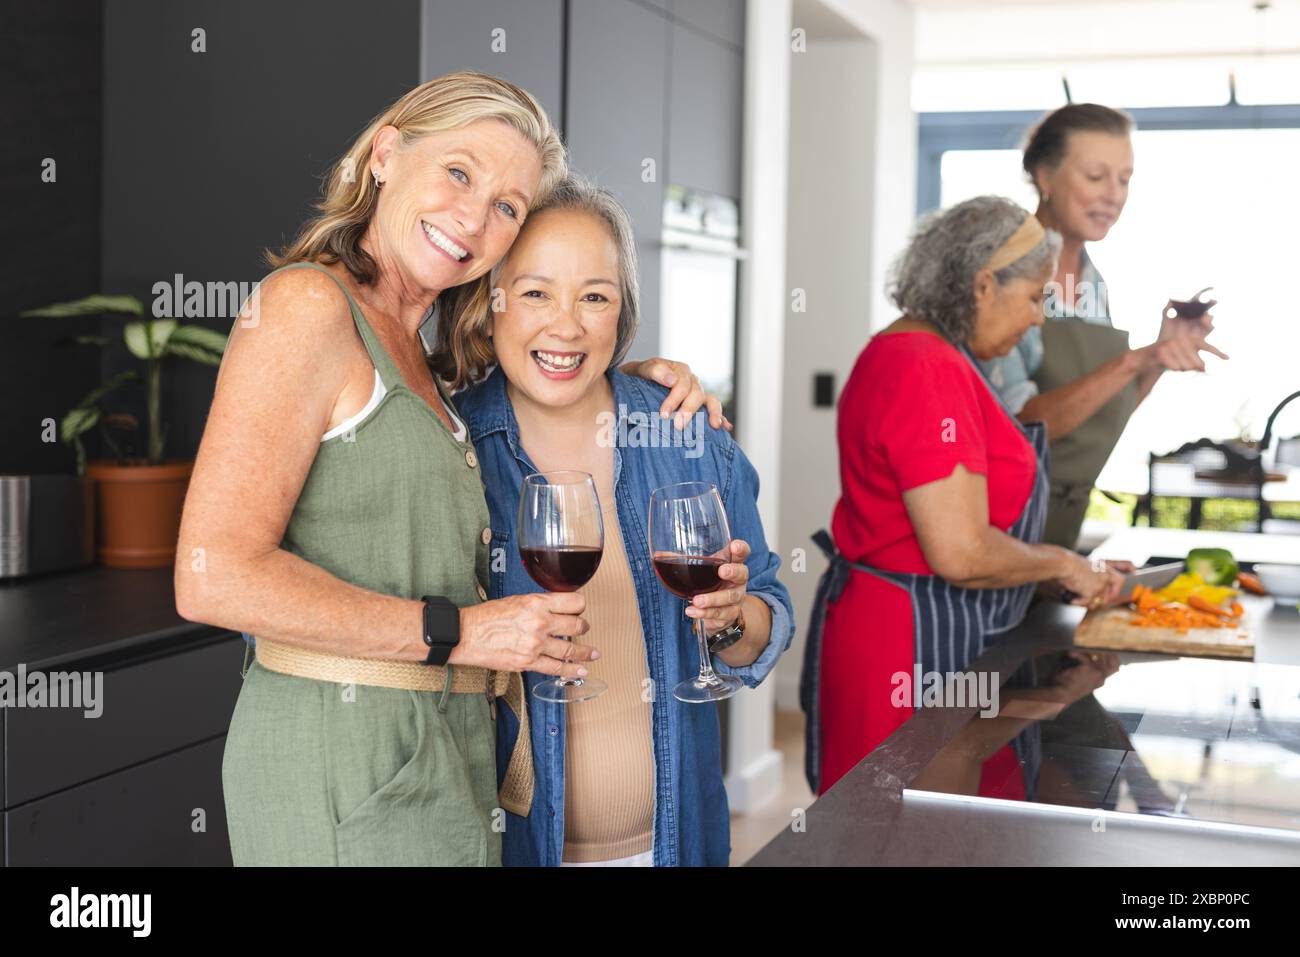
1179	616
1251	583
1200	604
1237	610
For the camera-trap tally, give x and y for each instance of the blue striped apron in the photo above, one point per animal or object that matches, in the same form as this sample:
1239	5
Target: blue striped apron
952	625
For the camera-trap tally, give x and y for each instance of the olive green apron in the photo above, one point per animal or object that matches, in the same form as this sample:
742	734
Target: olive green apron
1073	348
323	773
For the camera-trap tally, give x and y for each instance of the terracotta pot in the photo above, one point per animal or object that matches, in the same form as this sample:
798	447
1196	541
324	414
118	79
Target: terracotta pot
138	512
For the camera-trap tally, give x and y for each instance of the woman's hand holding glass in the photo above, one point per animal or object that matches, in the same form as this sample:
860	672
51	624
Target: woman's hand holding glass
720	609
1179	345
516	634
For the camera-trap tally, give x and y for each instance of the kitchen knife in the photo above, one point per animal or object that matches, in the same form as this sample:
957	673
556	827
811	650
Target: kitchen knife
1154	577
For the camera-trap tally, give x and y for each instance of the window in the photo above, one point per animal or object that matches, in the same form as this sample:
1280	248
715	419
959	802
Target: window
1212	203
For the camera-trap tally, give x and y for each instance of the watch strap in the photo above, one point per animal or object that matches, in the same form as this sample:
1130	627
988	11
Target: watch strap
728	636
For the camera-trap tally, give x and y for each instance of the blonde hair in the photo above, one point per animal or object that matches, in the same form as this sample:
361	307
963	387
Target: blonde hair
349	197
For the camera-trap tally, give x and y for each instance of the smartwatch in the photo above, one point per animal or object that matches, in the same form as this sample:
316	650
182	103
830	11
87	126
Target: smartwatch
441	628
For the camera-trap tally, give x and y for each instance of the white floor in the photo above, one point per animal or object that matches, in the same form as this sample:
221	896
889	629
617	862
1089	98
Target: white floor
750	832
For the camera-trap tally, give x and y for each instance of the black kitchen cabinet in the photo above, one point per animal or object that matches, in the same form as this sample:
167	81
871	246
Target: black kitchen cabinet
520	40
165	812
617	94
149	708
140	783
706	109
722	19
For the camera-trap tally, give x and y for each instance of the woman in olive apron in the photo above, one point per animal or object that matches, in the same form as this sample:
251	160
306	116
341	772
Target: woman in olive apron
964	556
1078	374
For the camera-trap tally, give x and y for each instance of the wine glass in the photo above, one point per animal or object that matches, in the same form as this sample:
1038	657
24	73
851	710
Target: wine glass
561	538
689	544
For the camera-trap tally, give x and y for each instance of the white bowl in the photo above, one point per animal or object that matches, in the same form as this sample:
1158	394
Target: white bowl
1280	581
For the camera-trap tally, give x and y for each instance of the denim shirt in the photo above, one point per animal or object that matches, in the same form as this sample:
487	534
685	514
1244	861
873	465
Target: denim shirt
1012	375
691	823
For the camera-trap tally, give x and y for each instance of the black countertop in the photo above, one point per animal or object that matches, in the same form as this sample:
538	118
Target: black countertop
99	615
870	817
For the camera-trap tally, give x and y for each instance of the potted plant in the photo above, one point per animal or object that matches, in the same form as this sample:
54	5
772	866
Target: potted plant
138	498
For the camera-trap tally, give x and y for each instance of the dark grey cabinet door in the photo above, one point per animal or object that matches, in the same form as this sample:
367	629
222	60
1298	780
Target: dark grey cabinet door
706	108
143	816
148	709
520	40
617	91
723	19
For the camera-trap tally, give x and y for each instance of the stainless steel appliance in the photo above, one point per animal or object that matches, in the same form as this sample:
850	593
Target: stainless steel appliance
47	523
698	286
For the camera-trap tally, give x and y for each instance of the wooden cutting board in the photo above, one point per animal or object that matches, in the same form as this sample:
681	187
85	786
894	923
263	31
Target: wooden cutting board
1109	628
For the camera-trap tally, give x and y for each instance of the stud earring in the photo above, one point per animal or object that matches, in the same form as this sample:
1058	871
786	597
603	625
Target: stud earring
378	181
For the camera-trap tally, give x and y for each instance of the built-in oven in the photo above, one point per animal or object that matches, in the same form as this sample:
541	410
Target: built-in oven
698	285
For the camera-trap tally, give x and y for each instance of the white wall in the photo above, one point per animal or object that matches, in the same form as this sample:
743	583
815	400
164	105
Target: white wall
852	158
985	55
753	764
1066	31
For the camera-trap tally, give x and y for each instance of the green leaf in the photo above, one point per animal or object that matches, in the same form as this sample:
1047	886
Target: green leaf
92	399
147	339
183	350
136	338
92	340
203	338
90	305
162	330
78	422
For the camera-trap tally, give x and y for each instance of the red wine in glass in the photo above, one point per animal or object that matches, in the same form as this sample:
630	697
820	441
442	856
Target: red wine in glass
687	576
689	539
566	568
561	538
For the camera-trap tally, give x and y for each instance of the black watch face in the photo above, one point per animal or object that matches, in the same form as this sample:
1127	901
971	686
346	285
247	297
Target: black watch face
441	625
723	641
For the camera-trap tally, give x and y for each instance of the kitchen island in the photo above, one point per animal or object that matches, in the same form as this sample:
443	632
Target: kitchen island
1108	796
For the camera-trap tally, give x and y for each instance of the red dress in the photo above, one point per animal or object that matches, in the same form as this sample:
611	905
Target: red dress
913	409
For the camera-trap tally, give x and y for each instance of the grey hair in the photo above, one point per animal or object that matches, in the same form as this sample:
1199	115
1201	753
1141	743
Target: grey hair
579	194
934	278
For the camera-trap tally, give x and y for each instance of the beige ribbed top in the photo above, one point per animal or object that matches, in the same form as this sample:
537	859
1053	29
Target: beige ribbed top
609	772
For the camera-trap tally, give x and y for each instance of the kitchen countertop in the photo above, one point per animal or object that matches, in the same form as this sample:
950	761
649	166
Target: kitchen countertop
871	817
1139	545
99	614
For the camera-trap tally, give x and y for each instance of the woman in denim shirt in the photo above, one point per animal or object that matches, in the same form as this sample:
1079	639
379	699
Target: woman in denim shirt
633	776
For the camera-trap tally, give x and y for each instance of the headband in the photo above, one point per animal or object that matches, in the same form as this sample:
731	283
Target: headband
1027	236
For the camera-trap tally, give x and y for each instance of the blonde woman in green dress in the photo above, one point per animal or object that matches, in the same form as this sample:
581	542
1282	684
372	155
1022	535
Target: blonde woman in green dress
336	509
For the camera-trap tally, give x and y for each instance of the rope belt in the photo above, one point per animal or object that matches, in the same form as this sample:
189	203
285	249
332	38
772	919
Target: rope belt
516	794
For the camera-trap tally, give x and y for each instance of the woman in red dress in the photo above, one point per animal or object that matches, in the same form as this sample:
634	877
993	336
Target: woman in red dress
936	534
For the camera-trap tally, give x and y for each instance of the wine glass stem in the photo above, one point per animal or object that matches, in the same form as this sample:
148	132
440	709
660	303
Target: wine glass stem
706	663
562	681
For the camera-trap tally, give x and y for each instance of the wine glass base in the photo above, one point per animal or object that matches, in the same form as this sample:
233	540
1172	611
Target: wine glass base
699	690
567	692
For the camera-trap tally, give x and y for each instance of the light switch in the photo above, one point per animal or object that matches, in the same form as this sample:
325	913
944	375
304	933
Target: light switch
823	390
